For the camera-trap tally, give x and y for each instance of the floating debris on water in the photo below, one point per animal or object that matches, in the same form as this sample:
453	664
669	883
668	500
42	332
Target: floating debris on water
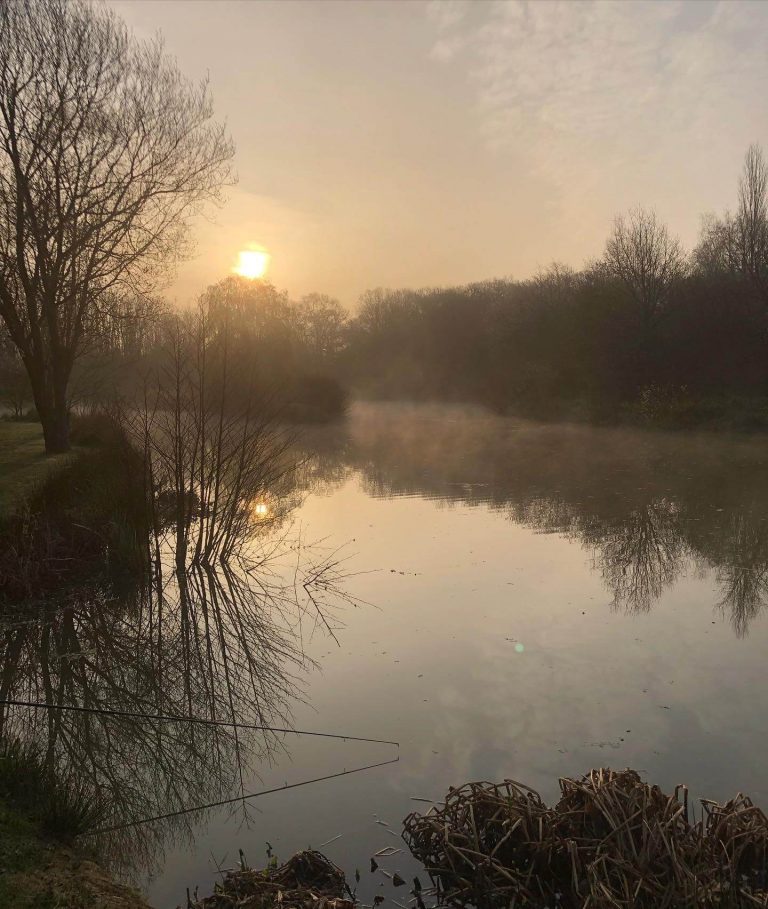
308	880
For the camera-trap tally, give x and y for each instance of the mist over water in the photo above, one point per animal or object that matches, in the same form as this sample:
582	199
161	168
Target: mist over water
427	453
542	600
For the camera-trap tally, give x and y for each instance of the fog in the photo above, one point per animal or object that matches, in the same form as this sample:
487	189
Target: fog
383	399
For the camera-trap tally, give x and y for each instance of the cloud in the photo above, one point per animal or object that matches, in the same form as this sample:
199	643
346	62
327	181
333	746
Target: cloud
595	93
447	13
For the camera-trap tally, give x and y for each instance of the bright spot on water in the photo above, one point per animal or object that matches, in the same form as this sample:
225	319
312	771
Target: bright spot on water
519	648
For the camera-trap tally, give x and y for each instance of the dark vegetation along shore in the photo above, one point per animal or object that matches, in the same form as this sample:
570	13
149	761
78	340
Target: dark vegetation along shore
611	841
42	865
646	334
141	584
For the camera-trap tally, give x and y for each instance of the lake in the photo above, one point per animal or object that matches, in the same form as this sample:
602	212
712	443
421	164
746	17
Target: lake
534	601
543	600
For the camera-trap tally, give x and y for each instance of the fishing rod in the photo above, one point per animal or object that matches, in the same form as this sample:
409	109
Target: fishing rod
174	718
239	798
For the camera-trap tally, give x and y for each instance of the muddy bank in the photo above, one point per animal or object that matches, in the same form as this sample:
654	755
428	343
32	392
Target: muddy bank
37	872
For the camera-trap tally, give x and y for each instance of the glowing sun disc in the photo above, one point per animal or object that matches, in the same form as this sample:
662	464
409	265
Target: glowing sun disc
252	263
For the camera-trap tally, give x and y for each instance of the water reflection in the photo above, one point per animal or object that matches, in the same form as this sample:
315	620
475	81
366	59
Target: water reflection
648	508
221	645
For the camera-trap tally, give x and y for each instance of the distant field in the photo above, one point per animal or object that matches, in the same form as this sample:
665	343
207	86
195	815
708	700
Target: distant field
22	460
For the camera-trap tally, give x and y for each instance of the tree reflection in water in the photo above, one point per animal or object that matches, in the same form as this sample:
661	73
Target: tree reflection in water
648	507
225	643
220	644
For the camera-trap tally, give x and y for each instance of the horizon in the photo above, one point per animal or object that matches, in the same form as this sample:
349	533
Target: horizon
439	144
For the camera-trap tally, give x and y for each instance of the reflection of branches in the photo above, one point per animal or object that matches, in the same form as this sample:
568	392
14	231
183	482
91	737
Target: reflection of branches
643	555
642	503
224	645
638	553
742	571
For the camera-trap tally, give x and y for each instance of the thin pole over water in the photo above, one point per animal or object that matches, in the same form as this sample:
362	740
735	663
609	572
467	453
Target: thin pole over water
173	718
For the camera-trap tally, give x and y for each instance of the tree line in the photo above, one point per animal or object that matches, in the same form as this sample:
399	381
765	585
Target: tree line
107	152
645	329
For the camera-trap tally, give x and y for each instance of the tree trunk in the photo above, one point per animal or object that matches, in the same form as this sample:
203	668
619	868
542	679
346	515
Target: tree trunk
53	412
56	429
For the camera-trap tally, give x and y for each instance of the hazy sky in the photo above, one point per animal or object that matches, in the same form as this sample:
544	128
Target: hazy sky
404	143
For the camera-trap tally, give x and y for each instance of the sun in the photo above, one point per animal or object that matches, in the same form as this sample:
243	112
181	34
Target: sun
252	263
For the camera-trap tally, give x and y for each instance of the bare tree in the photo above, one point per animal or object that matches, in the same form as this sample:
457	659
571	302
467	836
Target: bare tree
647	260
715	251
737	244
106	151
322	321
751	233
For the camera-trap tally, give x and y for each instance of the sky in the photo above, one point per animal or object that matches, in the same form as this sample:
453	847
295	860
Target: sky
407	144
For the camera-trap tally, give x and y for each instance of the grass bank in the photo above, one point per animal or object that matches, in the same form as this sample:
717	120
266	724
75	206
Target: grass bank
70	518
40	816
63	520
23	461
37	872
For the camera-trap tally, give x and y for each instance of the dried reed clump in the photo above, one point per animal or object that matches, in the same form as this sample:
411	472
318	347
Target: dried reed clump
308	880
737	834
630	844
491	845
611	842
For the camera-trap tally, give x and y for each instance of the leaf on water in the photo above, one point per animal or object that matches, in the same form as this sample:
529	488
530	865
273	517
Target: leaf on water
397	880
374	865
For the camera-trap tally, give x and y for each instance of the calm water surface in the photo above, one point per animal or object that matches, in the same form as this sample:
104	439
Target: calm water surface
543	600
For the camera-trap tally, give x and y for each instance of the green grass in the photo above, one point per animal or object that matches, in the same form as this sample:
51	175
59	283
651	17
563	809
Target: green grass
42	864
23	461
36	872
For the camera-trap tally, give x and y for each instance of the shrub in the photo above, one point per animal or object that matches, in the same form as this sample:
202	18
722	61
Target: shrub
89	514
62	808
317	399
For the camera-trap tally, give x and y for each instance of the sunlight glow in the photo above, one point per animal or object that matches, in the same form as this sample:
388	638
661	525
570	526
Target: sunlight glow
252	263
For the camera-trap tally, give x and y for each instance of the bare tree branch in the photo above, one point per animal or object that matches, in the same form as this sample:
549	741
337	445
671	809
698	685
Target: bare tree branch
106	152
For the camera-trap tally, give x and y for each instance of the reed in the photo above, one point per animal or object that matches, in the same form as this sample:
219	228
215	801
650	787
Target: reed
62	809
308	880
611	842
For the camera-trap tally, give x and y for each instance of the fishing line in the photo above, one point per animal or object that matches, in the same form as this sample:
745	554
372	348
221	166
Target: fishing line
239	798
191	719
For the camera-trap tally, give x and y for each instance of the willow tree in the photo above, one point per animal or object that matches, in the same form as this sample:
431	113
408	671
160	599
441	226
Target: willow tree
106	152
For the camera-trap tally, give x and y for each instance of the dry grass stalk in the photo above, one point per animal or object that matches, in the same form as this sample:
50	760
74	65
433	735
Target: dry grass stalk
611	842
308	880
